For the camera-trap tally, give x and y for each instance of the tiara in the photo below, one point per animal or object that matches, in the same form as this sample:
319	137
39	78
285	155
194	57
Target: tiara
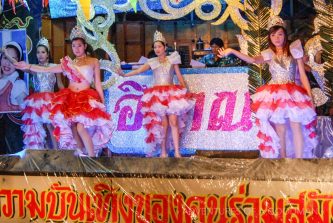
275	21
158	36
77	32
44	42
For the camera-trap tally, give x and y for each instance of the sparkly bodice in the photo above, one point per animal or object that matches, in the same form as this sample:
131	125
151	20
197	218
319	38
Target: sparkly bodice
283	68
163	72
44	82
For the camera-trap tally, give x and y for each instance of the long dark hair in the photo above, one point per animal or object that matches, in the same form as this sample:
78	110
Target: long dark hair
273	30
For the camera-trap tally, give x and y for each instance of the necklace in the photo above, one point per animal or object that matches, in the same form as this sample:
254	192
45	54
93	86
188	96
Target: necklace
80	60
163	61
44	64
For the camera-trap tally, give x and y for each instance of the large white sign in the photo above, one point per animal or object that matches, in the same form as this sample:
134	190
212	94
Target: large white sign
221	119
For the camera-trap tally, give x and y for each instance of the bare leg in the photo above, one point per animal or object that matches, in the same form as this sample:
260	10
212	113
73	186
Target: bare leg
281	132
53	140
173	121
163	144
296	128
77	138
86	139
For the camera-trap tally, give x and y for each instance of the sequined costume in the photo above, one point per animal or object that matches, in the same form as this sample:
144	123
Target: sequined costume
37	110
83	107
164	98
281	100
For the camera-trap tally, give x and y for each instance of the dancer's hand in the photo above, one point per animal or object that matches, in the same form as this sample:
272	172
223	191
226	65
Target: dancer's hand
224	52
5	52
120	72
22	65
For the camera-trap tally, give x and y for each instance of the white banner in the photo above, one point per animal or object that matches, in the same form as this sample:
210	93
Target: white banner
221	119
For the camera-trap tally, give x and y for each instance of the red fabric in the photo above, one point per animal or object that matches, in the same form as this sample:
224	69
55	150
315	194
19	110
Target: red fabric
291	88
264	137
264	148
71	104
69	72
164	89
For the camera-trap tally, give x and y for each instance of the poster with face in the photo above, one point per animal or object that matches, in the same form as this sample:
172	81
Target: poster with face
13	83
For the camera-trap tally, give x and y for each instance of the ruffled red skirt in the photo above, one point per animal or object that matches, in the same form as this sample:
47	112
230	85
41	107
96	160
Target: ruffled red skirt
160	101
35	114
83	107
278	104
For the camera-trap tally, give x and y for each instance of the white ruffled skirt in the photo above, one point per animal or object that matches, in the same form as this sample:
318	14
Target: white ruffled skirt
276	104
160	101
35	114
80	107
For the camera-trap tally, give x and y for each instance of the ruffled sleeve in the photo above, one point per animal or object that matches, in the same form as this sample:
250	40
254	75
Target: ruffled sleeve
174	58
296	49
153	63
267	54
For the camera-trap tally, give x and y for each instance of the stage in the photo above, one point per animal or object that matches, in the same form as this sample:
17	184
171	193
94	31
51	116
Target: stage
57	186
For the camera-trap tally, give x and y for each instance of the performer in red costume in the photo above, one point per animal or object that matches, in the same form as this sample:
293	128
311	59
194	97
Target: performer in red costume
281	105
36	115
78	107
165	104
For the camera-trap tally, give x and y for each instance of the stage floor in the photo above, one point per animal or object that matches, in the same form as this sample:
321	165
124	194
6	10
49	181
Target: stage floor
34	162
56	186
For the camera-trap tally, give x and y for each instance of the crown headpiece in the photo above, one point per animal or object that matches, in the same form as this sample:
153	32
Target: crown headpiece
44	42
158	36
275	21
77	32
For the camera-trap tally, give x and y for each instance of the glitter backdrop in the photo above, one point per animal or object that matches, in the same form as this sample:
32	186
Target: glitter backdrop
67	8
221	119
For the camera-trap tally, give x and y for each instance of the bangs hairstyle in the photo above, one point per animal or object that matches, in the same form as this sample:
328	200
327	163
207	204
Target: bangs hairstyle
285	47
89	50
163	43
45	47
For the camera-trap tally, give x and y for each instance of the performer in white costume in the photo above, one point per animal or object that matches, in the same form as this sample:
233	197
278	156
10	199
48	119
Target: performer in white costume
165	104
78	107
36	115
281	105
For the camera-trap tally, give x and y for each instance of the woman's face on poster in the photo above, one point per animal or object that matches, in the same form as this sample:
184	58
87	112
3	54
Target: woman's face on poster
7	67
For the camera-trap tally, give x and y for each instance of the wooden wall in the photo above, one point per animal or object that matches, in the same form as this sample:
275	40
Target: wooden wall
134	38
57	32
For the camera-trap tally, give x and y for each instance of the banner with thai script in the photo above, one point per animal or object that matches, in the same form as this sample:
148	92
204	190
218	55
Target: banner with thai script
221	119
103	199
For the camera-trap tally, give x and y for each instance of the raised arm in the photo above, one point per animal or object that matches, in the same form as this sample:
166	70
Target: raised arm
179	76
246	58
35	68
141	69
